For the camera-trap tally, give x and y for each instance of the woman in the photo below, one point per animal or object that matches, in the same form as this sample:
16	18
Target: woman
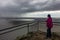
49	26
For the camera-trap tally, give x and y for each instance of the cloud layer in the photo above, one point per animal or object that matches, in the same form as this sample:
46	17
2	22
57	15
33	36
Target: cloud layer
16	7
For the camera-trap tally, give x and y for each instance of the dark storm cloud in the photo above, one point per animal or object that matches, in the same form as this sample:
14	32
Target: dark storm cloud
53	6
23	6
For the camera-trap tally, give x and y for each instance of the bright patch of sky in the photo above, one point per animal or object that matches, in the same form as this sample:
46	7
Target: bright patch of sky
38	14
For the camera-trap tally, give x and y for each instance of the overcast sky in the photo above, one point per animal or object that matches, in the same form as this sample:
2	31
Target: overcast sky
17	7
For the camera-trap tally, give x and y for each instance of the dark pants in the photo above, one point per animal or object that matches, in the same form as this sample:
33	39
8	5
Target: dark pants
49	33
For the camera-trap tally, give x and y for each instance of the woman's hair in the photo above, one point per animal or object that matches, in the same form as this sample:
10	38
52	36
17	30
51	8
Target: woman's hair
49	15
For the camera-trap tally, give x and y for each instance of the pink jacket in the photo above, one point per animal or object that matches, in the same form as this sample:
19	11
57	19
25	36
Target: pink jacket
49	22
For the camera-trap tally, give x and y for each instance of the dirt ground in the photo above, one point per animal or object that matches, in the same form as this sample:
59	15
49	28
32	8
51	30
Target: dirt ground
38	36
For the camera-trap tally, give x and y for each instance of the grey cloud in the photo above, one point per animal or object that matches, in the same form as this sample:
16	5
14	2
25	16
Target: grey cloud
23	6
54	6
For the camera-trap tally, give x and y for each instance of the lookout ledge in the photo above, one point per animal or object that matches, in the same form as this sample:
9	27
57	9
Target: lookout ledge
38	36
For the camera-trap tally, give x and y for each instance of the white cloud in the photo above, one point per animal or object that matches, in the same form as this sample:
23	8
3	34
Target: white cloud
5	3
37	1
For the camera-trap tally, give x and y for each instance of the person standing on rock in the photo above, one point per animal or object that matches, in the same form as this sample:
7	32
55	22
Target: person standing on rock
49	25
